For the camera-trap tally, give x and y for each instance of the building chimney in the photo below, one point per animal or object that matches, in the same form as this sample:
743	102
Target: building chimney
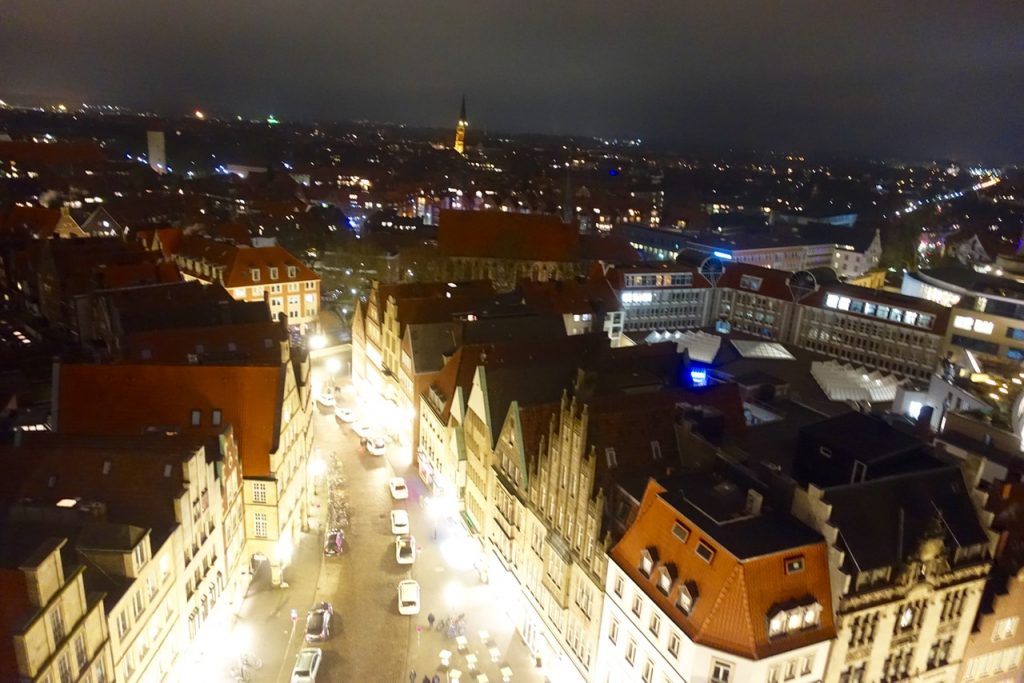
754	502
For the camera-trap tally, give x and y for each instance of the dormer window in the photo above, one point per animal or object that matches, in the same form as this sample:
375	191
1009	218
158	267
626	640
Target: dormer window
254	273
792	618
794	565
648	556
705	552
664	580
687	597
273	273
680	532
292	271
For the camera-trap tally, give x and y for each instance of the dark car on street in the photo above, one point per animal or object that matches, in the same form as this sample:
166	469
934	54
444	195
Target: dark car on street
318	622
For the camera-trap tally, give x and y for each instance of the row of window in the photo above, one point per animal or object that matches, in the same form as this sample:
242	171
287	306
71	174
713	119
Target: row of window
660	280
272	272
890	313
216	416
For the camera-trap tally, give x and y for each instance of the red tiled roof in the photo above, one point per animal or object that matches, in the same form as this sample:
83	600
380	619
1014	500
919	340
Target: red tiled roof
131	398
14	610
570	296
774	283
129	275
505	235
238	261
613	248
38	220
734	596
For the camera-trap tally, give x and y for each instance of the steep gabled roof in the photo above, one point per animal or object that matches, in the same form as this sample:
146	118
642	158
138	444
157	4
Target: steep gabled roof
904	510
134	399
506	235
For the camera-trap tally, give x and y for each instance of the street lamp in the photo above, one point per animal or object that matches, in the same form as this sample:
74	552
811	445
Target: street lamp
317	342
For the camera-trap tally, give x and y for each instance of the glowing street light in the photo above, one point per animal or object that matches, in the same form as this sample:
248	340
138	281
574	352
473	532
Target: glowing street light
199	115
333	366
317	341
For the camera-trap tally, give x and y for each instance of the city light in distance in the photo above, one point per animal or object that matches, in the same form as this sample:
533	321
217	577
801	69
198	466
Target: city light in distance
199	114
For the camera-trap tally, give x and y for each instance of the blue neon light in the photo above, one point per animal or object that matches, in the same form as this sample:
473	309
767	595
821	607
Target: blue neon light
613	171
722	254
699	377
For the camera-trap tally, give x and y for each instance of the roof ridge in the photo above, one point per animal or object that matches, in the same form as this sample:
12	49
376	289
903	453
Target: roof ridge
719	599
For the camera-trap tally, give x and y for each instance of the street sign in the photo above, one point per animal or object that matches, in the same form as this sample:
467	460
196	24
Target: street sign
295	615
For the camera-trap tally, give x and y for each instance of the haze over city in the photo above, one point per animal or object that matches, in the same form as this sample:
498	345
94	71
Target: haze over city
914	80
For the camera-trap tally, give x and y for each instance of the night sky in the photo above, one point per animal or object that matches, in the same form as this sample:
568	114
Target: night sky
914	79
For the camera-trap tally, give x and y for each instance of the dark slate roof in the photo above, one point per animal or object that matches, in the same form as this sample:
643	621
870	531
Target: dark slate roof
430	342
717	505
877	520
873	439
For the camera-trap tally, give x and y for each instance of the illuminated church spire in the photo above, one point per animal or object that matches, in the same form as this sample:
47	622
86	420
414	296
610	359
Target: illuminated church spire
460	130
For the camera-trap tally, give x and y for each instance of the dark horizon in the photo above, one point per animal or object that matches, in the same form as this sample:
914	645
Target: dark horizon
869	80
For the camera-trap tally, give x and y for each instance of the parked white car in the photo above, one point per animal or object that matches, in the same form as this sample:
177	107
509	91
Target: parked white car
399	491
346	415
399	522
307	664
326	399
405	549
408	597
377	446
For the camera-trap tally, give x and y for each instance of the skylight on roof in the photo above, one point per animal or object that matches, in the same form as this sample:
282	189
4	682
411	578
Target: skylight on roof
760	349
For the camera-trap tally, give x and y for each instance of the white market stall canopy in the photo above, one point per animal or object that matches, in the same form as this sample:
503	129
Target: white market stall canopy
842	382
701	346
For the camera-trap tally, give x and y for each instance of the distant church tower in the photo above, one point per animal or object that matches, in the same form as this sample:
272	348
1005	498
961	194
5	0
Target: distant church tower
460	130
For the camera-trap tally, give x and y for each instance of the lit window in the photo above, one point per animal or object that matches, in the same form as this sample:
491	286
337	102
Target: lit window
721	672
984	326
259	492
963	322
664	580
273	273
687	597
794	565
844	303
254	273
777	624
260	525
647	559
613	631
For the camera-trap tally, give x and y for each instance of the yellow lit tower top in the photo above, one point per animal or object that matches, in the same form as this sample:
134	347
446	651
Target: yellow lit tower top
460	130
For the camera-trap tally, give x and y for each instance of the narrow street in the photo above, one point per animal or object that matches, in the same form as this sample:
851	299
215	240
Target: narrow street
370	640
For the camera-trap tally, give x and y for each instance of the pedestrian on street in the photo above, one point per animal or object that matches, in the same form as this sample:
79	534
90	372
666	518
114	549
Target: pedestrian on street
426	679
430	620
